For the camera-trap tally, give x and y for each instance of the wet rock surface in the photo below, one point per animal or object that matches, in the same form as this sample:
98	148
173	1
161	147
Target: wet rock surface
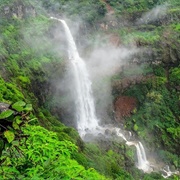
18	10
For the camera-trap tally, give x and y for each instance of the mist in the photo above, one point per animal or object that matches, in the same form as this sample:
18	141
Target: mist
154	14
104	62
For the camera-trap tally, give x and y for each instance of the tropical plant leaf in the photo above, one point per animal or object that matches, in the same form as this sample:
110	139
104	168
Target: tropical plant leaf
28	107
16	143
9	136
6	114
15	125
19	106
18	120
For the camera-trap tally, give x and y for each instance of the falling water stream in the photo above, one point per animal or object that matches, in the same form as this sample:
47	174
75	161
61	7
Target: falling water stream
87	121
85	108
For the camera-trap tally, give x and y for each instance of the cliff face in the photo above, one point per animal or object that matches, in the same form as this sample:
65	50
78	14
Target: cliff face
18	9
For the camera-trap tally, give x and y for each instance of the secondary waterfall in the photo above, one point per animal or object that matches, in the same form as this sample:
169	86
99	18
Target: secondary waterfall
141	156
85	108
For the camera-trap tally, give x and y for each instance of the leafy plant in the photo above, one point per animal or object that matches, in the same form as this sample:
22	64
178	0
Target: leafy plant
175	75
11	121
42	156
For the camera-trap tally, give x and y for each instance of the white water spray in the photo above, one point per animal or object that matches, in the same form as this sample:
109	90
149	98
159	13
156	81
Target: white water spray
142	163
85	108
167	172
142	160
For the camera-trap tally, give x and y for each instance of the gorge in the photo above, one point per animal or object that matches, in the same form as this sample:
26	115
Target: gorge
87	122
90	93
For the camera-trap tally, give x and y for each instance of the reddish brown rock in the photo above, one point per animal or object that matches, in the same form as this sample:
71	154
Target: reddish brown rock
124	106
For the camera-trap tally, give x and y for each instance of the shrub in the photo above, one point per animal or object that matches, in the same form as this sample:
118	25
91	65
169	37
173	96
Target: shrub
175	75
42	156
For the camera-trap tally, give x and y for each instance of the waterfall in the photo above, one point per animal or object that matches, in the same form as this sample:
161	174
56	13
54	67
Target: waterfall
85	108
142	160
166	172
142	163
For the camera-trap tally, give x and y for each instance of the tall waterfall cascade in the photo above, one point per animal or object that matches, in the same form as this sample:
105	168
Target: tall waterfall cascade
85	106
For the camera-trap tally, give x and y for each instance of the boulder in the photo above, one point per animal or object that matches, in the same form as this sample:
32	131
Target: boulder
4	107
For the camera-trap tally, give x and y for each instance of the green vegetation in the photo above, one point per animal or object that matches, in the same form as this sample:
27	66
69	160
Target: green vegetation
9	92
34	143
40	155
133	6
89	11
158	114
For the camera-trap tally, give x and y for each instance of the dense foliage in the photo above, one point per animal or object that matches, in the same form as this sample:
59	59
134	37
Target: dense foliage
156	119
40	155
89	11
34	144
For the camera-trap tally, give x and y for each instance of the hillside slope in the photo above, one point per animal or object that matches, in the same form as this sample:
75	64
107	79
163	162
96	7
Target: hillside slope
35	101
